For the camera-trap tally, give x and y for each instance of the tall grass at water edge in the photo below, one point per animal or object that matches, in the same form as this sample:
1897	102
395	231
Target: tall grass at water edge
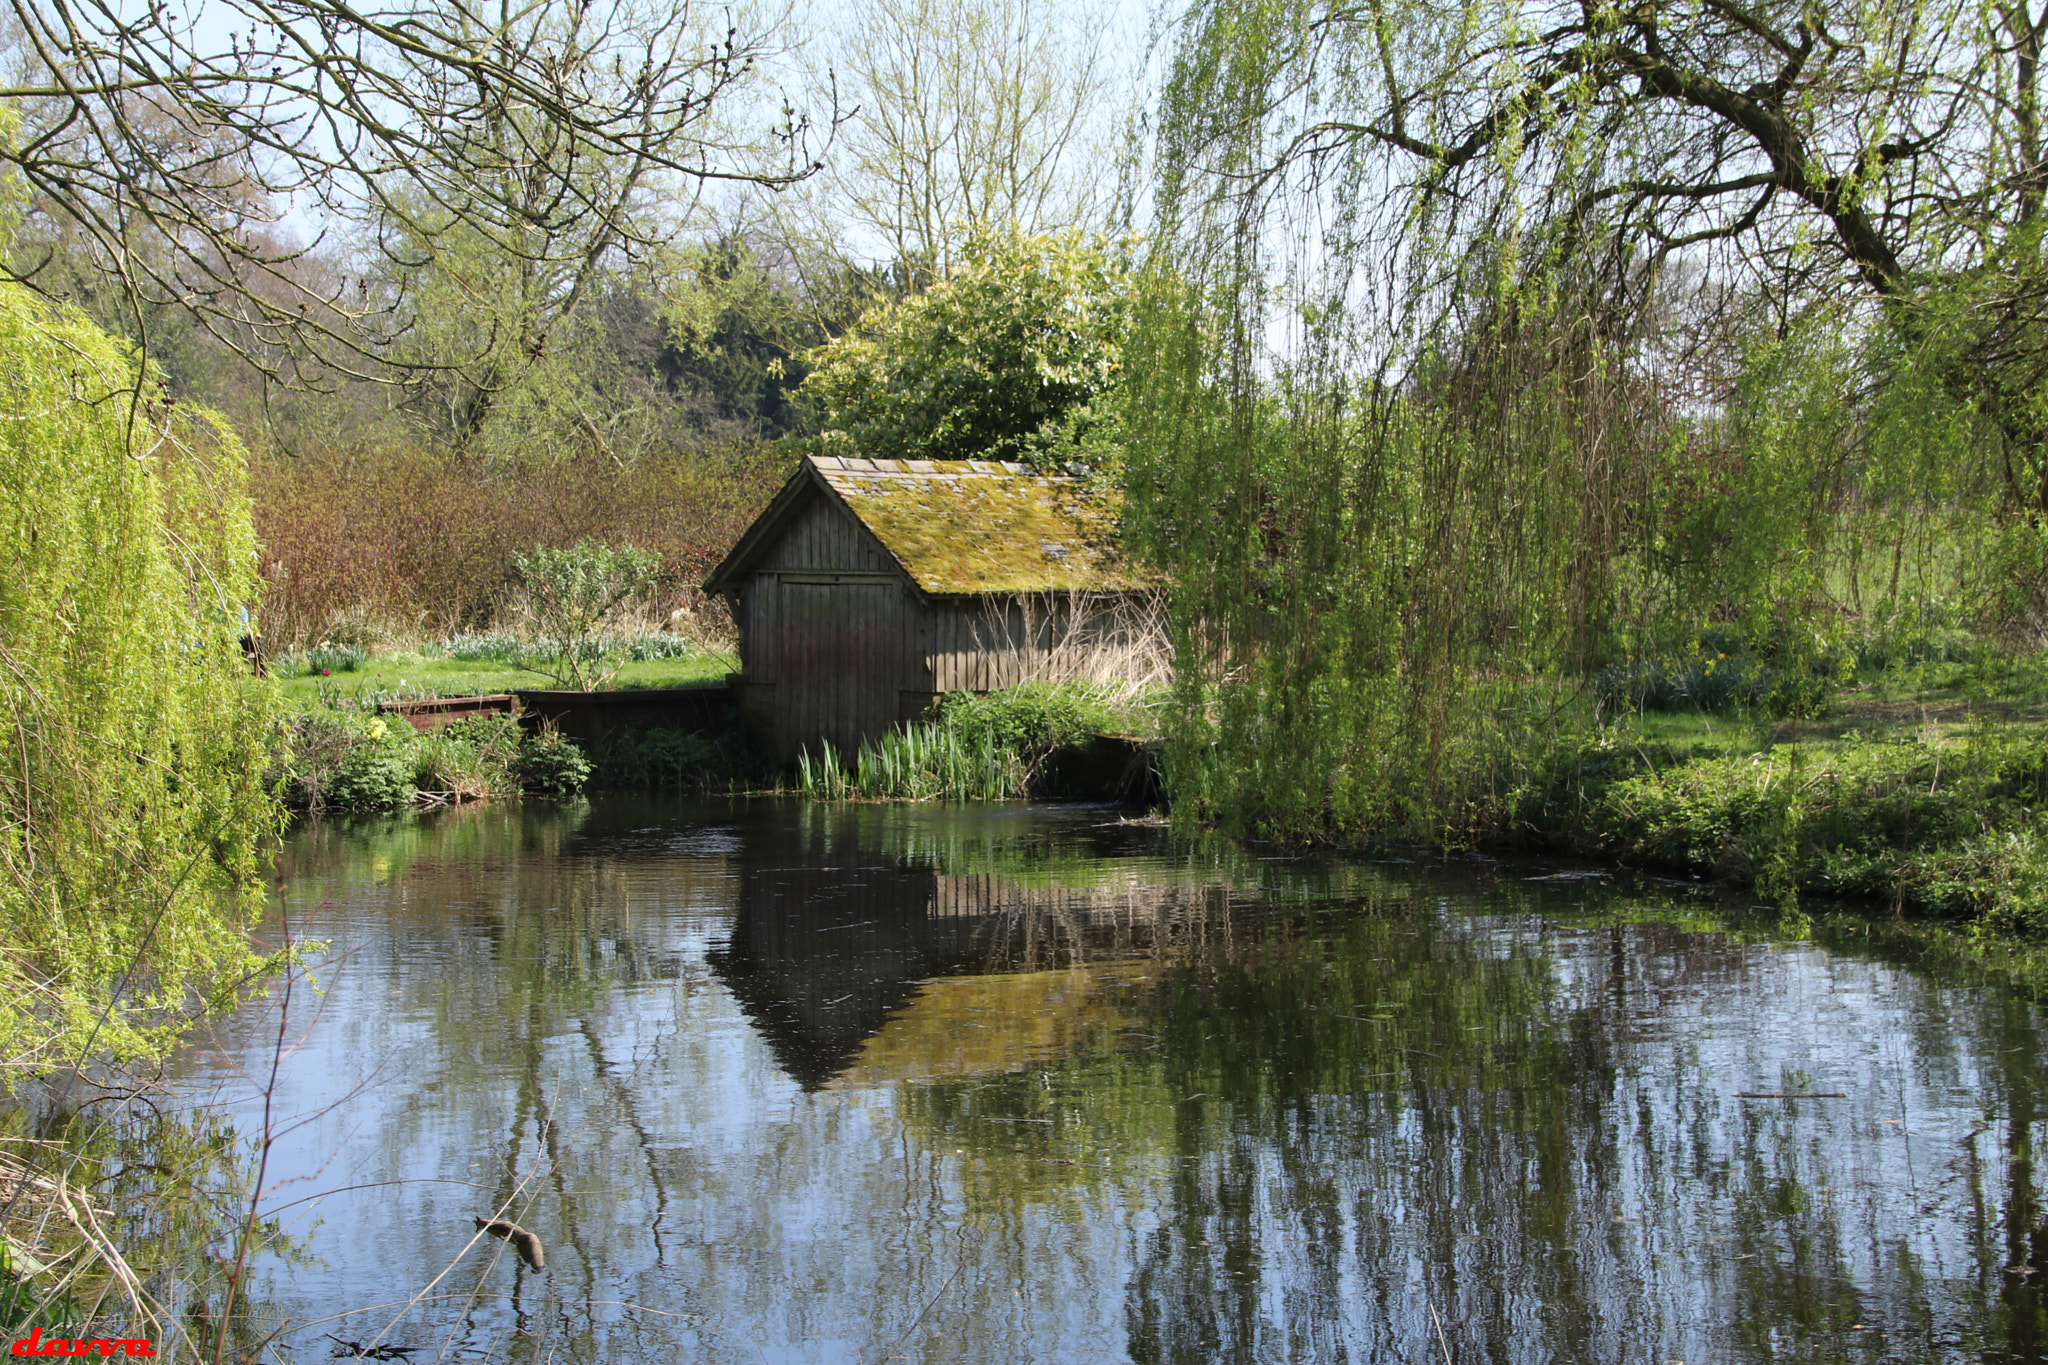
978	748
929	761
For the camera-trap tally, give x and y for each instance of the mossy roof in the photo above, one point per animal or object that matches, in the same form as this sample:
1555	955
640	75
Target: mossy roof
967	526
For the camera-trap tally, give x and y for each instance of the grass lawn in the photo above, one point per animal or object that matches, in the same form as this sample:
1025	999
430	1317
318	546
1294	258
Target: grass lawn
1922	787
1929	703
412	677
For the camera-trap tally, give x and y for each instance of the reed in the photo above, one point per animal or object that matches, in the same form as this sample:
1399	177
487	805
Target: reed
931	761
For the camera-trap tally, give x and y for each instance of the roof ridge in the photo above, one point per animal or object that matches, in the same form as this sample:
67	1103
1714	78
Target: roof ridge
941	469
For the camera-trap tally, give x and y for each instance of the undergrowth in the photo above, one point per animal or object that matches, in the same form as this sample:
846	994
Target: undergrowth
679	760
991	747
336	759
1951	826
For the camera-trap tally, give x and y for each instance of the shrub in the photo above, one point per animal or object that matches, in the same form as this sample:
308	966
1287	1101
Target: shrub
1694	682
338	760
313	745
412	539
675	758
1724	671
577	597
1917	632
1030	718
1016	355
552	763
370	777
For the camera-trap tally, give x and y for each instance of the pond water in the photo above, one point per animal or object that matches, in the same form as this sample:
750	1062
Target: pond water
778	1082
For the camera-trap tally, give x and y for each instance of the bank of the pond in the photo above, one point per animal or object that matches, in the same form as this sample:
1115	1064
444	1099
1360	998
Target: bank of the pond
1936	808
1945	821
1042	741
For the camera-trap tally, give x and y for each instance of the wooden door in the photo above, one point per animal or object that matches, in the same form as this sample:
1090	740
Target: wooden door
844	650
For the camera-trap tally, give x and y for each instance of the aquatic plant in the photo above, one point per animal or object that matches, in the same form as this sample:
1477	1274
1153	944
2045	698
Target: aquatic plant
930	761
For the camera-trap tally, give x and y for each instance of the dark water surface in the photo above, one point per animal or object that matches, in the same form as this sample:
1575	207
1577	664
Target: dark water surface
781	1082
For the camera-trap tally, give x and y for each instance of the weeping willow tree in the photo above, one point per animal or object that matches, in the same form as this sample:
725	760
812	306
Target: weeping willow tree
131	796
1486	346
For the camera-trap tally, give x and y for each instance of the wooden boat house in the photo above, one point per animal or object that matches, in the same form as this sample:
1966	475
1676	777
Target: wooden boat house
869	588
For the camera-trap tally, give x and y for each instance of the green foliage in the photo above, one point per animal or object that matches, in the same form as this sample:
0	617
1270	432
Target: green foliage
552	764
668	759
470	759
310	754
342	760
1957	828
735	332
331	658
663	645
131	803
337	760
577	598
1032	719
1726	671
501	648
975	748
923	762
1702	681
1911	633
373	776
1015	355
1470	453
482	647
26	1305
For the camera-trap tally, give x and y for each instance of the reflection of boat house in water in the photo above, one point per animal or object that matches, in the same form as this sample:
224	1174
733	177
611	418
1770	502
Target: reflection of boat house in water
825	957
870	587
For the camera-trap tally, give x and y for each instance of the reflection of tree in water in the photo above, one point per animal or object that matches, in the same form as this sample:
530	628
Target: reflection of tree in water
1349	1121
2008	1226
541	921
1054	1069
1370	1121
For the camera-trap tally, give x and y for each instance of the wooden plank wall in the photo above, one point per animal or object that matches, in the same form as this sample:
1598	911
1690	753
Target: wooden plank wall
824	537
848	649
980	644
834	628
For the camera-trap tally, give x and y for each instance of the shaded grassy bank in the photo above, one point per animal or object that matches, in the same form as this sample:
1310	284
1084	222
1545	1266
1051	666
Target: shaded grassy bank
1923	790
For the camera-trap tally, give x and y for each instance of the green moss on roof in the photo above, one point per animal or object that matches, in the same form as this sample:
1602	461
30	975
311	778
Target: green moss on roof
974	526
